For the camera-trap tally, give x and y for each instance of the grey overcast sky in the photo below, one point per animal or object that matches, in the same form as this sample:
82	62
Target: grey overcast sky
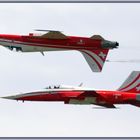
22	72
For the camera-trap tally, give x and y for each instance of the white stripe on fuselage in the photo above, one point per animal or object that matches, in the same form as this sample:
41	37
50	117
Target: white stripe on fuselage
49	91
31	48
35	47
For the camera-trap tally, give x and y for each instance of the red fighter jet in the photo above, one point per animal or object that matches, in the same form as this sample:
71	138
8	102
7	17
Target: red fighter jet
94	49
128	93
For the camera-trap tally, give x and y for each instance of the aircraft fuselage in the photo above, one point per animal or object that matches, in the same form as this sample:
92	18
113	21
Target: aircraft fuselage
38	44
94	49
76	97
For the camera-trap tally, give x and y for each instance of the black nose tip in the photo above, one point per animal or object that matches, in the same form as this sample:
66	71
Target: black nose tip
117	44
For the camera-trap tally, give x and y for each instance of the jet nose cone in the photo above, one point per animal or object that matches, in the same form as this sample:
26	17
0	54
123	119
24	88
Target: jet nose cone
10	97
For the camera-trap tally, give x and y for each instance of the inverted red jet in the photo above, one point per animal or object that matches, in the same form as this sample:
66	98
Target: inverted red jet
128	93
94	49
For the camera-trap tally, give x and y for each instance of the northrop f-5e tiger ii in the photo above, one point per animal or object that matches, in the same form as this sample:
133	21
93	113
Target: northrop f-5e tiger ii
128	93
94	49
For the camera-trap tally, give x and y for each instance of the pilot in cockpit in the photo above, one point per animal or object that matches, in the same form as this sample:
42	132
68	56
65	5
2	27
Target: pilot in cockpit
53	87
56	86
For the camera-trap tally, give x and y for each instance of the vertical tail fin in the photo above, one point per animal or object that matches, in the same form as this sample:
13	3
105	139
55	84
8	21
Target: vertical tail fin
132	83
95	58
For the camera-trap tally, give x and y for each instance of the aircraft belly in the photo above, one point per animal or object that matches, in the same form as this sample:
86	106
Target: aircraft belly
87	100
38	49
29	48
6	43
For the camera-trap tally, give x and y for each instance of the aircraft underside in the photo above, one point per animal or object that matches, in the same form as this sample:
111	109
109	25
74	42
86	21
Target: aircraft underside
30	48
95	57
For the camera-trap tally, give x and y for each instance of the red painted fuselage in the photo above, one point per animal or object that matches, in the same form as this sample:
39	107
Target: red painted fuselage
94	49
128	93
81	97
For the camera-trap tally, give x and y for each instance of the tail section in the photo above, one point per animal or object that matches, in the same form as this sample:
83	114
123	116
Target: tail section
132	83
95	58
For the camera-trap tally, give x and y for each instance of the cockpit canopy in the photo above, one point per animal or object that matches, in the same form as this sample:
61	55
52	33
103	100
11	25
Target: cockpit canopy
53	87
60	87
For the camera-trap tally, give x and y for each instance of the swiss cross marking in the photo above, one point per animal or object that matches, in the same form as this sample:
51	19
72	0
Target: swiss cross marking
138	88
101	54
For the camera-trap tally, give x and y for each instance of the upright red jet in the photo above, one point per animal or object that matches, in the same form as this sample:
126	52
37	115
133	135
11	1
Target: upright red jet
128	93
94	49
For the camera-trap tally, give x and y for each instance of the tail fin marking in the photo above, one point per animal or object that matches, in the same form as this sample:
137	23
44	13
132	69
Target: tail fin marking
132	83
95	58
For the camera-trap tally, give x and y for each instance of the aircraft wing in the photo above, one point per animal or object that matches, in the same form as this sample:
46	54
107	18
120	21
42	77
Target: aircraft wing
53	35
106	105
89	93
88	97
95	58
